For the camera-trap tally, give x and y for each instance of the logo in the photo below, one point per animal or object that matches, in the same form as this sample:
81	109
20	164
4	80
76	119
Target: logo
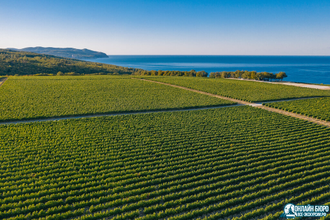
288	211
292	211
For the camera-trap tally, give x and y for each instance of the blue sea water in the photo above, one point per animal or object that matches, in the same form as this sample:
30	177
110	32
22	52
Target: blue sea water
308	69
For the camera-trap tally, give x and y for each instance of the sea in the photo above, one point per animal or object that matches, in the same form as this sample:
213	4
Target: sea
306	69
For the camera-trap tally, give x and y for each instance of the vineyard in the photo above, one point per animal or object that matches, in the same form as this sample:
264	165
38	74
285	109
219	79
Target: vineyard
317	107
40	97
243	90
229	163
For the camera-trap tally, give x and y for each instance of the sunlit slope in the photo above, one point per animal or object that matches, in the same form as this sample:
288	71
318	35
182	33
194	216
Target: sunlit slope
35	97
206	164
26	63
243	90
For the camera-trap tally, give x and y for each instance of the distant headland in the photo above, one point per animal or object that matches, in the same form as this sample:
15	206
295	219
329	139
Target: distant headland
65	52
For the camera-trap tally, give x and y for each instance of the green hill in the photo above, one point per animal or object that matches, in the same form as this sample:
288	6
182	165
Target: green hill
27	63
66	52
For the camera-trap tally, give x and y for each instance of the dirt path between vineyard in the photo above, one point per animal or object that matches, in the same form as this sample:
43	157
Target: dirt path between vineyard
257	105
239	103
113	114
198	91
2	81
304	85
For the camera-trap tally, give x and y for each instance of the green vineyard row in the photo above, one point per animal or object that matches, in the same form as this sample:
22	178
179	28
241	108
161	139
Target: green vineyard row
242	90
205	164
42	97
316	108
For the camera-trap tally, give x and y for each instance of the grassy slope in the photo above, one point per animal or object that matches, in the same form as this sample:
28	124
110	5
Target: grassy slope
244	90
318	107
34	97
26	63
210	156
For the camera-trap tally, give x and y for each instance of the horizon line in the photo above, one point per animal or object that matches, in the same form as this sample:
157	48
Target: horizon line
214	55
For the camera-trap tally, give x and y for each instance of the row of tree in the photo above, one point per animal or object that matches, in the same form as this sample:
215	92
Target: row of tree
192	73
249	75
236	74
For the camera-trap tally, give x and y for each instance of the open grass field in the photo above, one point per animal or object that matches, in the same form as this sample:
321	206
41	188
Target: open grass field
243	90
317	107
40	97
230	163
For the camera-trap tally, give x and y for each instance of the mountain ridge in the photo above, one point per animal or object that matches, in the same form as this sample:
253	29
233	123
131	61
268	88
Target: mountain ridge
65	52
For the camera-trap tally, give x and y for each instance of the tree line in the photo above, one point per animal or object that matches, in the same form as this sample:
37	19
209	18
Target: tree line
192	73
249	75
225	74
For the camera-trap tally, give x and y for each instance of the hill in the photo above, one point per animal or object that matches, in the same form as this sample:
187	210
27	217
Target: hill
66	52
27	63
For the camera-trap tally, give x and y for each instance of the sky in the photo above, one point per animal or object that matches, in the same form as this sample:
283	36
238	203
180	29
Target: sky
168	27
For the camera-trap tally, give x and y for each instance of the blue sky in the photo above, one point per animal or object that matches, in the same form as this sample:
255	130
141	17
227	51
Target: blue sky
232	27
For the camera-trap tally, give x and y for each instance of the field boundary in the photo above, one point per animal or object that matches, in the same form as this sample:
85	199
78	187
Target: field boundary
198	91
256	105
291	99
237	102
295	115
114	114
3	80
287	83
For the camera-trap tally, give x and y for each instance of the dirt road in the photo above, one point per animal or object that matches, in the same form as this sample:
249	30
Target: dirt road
240	103
201	92
256	105
2	81
305	85
113	114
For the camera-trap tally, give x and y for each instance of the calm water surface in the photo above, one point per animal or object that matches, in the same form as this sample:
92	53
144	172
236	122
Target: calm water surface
308	69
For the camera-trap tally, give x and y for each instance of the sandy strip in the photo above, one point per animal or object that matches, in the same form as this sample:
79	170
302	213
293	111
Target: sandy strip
311	86
305	85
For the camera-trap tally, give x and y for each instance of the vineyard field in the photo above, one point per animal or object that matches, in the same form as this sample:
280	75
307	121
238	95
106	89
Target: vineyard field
317	107
41	97
240	89
228	163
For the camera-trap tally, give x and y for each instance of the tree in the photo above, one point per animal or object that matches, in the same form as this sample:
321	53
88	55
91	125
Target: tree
59	73
253	75
237	74
281	75
215	75
246	75
192	72
259	76
201	74
224	74
272	76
